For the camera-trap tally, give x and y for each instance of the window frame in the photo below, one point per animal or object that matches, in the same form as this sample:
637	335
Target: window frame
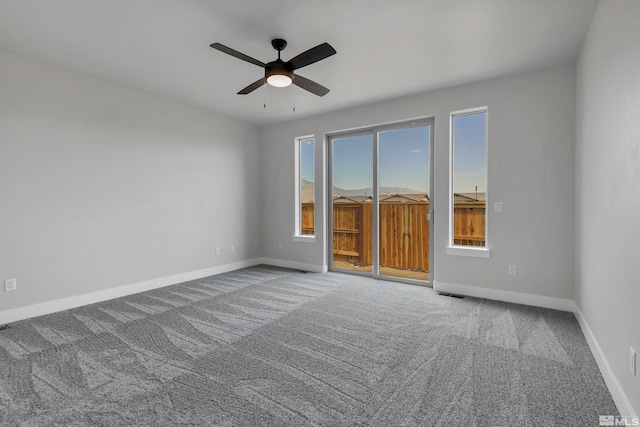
297	235
462	250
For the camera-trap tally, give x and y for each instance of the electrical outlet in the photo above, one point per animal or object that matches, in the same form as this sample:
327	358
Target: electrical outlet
632	361
233	248
10	285
217	251
512	270
280	246
497	207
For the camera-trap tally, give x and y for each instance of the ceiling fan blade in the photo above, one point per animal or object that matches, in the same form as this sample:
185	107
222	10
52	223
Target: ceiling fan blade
253	86
235	53
310	85
312	55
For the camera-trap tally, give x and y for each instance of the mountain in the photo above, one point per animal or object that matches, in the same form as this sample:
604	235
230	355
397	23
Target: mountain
306	191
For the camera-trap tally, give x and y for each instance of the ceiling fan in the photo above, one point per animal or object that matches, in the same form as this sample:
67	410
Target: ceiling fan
279	73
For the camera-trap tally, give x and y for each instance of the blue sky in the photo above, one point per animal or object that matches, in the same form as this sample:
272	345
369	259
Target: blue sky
404	157
306	159
404	160
469	152
353	162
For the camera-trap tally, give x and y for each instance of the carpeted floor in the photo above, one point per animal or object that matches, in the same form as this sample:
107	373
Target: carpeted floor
274	347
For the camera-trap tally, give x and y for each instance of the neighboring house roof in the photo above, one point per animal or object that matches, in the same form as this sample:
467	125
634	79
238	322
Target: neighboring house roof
468	197
405	198
352	199
471	197
388	198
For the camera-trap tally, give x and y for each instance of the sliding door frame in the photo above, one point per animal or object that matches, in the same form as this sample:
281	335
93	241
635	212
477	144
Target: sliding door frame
374	131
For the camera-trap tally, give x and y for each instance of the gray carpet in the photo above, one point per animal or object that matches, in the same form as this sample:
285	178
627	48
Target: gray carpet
269	346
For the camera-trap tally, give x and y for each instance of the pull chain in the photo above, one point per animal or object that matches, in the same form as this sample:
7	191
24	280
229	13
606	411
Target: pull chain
294	98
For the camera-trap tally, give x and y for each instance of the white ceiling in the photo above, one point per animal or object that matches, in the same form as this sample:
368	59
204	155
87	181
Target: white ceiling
386	48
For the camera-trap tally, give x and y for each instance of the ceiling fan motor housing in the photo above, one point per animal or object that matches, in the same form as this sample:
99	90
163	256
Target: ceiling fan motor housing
278	67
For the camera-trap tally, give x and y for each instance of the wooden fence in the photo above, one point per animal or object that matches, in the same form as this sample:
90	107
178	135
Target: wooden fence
352	233
306	215
469	223
404	232
404	236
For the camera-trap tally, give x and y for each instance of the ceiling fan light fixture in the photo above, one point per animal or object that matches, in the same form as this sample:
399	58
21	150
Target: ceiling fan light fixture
279	80
278	74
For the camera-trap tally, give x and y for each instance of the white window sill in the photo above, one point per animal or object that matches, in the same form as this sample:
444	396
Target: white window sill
469	251
304	238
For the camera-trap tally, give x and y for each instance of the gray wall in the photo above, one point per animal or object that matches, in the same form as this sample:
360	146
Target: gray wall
103	186
608	186
531	139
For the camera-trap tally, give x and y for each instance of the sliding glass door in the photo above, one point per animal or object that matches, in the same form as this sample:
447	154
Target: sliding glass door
380	201
403	188
352	197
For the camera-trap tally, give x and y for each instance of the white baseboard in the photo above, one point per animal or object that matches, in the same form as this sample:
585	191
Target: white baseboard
314	268
617	393
507	296
13	315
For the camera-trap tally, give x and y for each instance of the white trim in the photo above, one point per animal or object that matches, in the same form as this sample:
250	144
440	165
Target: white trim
617	393
294	265
468	111
40	309
321	202
304	238
474	251
465	112
507	296
297	177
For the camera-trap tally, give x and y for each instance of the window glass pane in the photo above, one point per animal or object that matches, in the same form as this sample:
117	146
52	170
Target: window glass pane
352	201
403	173
307	192
469	178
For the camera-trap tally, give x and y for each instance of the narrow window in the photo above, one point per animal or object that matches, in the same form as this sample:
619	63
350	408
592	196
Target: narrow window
305	189
469	178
